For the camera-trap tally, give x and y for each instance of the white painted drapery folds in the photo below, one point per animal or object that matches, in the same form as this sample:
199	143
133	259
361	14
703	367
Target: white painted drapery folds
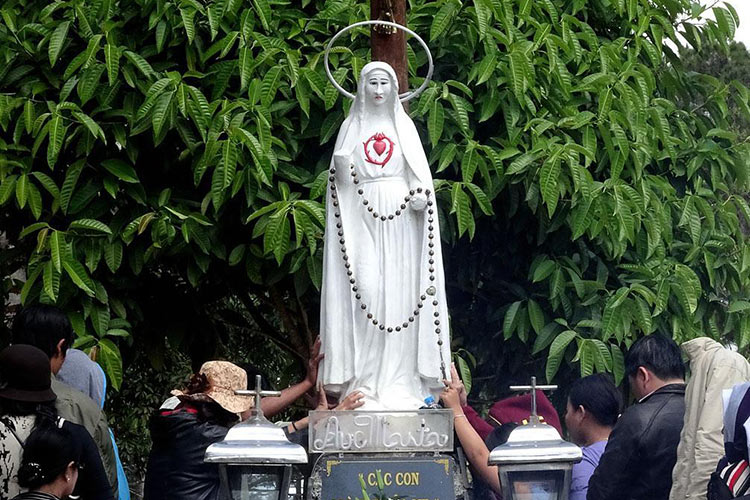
394	268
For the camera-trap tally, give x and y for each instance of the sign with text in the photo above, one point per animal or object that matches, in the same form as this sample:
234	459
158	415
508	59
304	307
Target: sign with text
381	431
353	478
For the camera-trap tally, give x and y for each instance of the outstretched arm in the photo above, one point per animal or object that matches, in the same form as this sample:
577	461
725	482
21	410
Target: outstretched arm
274	406
475	449
352	401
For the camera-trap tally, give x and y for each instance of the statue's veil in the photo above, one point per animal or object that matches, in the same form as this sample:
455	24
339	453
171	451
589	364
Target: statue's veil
350	135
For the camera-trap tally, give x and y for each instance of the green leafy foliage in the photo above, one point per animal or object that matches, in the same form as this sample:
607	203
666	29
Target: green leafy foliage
163	160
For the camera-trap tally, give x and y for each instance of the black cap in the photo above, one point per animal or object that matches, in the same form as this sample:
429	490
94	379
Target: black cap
25	374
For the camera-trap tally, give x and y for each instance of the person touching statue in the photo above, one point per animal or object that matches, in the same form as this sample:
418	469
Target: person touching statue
384	318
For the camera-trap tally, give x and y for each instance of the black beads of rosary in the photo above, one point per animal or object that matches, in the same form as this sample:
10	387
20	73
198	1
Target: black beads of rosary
429	291
361	192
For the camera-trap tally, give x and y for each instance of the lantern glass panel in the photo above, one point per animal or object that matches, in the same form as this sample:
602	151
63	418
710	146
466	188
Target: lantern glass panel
255	482
537	484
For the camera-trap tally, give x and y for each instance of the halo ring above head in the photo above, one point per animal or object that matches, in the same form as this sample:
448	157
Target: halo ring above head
406	96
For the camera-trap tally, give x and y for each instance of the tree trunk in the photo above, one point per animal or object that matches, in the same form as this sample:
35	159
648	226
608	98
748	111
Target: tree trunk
388	46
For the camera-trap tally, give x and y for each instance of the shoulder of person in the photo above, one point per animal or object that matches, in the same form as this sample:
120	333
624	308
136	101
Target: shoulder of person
76	406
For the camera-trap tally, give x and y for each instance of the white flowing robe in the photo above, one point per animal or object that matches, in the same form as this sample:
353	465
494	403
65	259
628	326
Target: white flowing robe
390	261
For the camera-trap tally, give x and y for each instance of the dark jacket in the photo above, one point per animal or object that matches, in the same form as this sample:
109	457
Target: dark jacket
175	466
642	449
92	478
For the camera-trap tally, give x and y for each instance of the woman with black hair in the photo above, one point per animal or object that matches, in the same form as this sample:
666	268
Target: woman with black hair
27	404
49	469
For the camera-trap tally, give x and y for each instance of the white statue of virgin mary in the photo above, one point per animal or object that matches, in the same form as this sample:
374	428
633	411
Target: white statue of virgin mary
384	320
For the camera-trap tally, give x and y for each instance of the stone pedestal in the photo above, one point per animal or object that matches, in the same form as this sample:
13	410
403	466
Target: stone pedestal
404	454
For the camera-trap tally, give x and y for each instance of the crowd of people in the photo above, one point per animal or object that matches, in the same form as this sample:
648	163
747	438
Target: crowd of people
676	441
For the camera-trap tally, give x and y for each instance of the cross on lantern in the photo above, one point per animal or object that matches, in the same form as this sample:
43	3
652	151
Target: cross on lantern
258	393
534	419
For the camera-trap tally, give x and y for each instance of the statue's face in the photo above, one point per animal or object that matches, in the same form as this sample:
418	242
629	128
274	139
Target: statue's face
378	87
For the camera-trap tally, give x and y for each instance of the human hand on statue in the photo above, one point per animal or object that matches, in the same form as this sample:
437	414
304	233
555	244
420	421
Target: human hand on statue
451	399
419	201
458	384
312	365
352	401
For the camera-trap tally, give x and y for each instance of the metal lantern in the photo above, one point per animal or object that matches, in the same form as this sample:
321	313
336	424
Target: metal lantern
255	458
535	463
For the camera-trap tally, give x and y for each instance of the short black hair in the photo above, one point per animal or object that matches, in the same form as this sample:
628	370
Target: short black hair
46	454
43	326
599	396
657	353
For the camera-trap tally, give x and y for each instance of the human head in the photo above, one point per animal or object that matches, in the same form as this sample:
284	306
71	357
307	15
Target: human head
25	375
47	328
50	458
593	402
216	381
653	362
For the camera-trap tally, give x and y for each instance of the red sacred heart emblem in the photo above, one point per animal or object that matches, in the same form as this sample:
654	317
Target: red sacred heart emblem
381	145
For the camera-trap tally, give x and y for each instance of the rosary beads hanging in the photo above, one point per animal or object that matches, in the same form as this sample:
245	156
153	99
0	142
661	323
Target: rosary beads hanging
431	291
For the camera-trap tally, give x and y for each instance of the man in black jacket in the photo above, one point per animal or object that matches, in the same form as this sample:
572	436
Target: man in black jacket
642	449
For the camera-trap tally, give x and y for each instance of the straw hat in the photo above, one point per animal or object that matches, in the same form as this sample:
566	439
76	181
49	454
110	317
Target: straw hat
224	378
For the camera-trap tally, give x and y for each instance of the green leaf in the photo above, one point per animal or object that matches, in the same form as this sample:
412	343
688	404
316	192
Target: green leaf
536	316
113	255
435	122
56	245
270	85
51	281
78	274
7	188
557	351
161	111
100	317
511	319
464	216
246	67
56	137
111	361
486	68
561	342
548	179
263	10
121	169
22	191
35	201
237	254
90	225
71	178
543	270
112	62
161	35
618	364
481	198
140	63
188	16
739	306
442	20
56	41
